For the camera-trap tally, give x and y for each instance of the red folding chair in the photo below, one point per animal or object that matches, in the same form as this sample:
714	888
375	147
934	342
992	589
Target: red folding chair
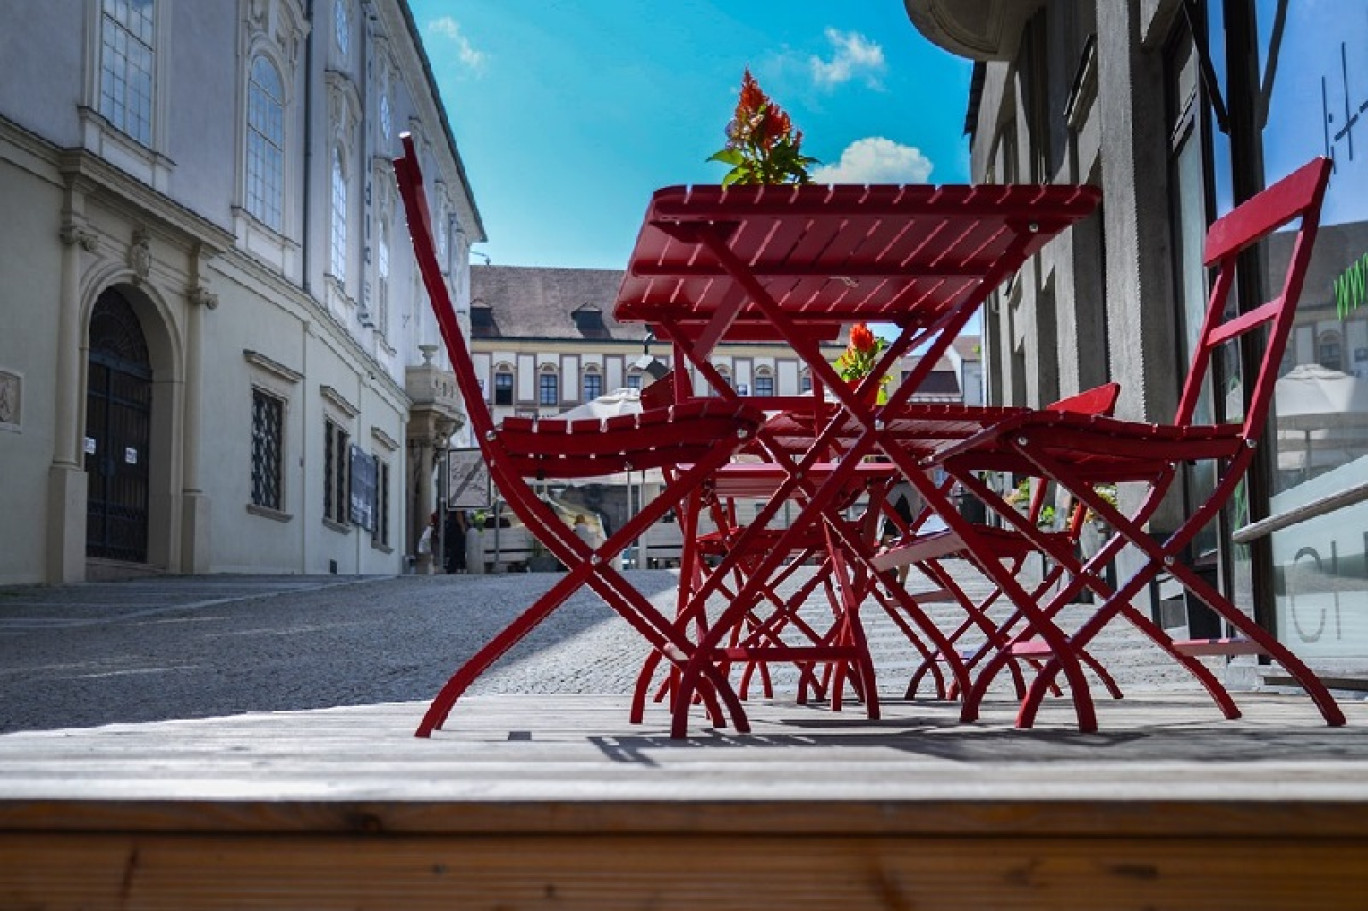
700	433
1080	452
927	551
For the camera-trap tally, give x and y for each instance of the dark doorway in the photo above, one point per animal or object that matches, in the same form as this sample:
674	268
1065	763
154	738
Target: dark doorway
118	432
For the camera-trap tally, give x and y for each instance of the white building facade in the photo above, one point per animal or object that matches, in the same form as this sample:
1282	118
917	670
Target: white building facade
211	331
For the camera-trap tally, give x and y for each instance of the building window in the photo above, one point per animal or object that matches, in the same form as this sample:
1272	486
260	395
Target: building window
335	488
482	324
634	381
382	283
764	384
439	228
127	60
343	23
549	388
381	534
1330	351
268	434
339	218
593	385
384	115
589	321
503	387
725	373
265	143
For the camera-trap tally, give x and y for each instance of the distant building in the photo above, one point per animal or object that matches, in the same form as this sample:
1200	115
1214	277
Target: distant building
214	355
544	340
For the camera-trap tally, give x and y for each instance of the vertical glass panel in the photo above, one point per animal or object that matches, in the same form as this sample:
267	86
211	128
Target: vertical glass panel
339	218
265	144
1318	105
127	63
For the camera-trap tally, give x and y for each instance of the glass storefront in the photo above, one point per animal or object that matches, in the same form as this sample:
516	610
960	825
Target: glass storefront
1313	100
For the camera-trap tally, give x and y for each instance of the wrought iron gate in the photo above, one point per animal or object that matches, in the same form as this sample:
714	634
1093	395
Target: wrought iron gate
118	432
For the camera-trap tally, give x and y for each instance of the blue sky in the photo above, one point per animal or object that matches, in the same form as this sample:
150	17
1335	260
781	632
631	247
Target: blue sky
569	113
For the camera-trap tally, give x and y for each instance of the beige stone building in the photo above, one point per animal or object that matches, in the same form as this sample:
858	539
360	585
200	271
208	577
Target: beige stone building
211	340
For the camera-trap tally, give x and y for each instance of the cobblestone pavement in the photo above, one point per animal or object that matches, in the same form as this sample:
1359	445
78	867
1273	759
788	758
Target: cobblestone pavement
190	647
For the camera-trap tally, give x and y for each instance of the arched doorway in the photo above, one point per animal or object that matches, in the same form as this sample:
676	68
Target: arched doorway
118	432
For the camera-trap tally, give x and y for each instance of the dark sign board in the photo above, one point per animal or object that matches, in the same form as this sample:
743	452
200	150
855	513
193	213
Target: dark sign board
364	479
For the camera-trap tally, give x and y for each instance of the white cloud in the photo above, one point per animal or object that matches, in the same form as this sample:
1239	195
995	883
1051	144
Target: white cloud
852	55
471	58
876	160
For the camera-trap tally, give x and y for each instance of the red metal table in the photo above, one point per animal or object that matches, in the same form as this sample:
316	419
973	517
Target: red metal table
795	264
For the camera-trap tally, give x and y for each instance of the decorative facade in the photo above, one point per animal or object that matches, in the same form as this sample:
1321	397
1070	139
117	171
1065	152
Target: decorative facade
211	357
1179	110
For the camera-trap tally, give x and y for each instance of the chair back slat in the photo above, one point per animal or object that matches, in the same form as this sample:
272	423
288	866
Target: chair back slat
410	178
1297	196
1267	211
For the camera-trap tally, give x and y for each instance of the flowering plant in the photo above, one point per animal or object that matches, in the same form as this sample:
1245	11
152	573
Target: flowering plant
762	145
861	354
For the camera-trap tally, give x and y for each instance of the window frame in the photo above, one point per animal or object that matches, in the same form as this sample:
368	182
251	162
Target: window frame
339	199
116	115
597	377
499	373
256	136
336	473
263	395
548	381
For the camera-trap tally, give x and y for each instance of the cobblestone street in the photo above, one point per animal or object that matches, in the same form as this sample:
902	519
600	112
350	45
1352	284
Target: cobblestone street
192	647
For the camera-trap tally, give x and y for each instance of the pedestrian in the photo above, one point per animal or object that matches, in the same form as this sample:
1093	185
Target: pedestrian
424	548
455	541
585	533
907	503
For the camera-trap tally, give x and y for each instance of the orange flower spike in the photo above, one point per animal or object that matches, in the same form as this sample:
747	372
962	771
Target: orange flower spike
752	97
861	338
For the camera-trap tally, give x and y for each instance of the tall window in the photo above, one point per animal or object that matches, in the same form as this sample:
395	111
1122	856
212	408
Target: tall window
343	23
439	227
593	385
764	384
265	143
382	272
634	380
268	430
503	387
339	218
335	491
381	533
549	387
127	60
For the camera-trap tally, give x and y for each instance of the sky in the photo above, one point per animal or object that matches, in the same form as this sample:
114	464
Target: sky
568	114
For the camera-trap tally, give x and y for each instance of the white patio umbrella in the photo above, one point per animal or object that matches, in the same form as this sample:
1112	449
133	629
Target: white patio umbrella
1326	410
608	405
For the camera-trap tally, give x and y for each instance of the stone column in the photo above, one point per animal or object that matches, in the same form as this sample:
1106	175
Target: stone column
67	482
195	547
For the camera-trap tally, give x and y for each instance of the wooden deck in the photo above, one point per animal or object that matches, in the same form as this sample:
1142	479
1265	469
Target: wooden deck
556	802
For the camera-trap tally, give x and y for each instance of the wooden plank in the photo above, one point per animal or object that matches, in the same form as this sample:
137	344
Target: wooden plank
667	872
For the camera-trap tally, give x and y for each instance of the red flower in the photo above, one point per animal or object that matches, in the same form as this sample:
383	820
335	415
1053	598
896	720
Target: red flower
861	338
752	96
762	146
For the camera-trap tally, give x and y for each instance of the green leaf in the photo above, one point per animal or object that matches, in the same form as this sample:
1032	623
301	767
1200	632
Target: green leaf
727	156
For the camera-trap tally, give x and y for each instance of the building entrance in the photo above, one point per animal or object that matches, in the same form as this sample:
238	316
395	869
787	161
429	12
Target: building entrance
118	432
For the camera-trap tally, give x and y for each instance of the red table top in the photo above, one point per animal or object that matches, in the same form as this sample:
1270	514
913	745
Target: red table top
839	254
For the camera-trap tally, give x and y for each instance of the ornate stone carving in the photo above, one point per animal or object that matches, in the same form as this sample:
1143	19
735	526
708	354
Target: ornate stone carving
72	233
11	399
140	255
201	296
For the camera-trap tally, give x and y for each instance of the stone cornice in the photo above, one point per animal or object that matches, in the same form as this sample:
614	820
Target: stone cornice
96	177
976	29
